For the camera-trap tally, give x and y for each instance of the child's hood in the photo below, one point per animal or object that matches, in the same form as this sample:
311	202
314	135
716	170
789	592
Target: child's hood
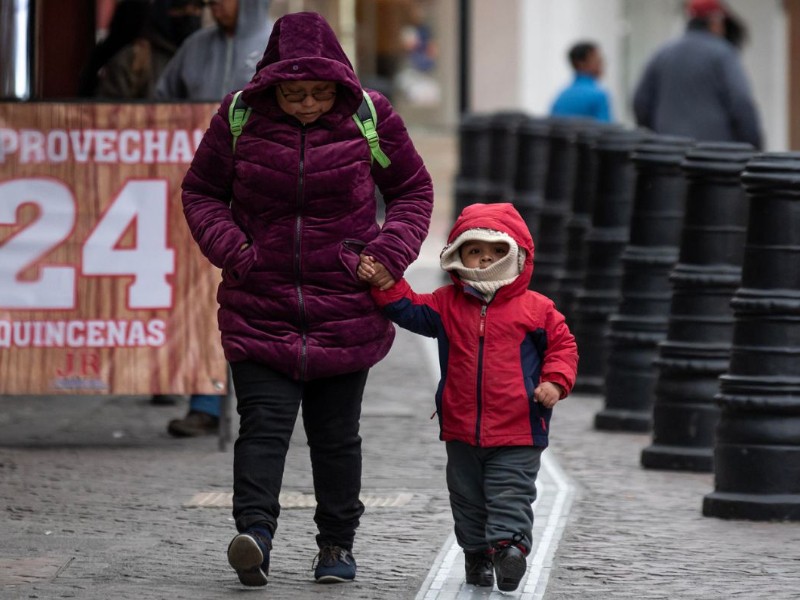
302	46
500	216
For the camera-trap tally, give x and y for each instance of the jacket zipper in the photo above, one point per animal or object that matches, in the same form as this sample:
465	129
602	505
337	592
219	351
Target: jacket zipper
298	230
481	332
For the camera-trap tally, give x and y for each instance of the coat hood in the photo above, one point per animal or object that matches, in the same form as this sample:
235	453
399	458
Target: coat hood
501	216
303	46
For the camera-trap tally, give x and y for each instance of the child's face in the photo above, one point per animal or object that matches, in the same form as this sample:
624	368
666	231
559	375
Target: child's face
479	255
307	101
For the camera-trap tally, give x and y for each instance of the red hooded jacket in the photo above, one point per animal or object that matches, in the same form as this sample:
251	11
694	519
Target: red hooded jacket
492	354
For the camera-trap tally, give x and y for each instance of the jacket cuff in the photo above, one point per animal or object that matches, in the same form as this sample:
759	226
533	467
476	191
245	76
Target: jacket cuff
398	291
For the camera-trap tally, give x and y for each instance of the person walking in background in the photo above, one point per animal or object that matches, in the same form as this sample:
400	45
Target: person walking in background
209	64
143	36
507	357
695	86
127	24
285	215
584	97
221	58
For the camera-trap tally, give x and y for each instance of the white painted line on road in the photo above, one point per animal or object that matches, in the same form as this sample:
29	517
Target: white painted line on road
540	566
298	500
445	580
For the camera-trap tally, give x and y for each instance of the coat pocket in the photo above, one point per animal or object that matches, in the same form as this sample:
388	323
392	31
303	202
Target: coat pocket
350	256
238	266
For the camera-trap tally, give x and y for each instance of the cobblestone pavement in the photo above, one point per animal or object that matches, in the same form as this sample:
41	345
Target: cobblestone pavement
99	503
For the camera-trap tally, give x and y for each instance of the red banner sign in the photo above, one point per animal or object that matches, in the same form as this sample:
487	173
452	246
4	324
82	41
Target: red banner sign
102	289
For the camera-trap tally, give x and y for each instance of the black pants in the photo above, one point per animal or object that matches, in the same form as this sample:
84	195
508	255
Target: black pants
268	402
491	493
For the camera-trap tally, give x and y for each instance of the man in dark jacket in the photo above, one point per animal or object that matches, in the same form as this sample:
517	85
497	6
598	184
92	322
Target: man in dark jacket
695	86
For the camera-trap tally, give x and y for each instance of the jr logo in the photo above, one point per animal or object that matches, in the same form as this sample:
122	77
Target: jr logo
80	364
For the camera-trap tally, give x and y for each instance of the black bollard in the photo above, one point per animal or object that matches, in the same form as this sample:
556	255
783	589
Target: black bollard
472	179
550	234
697	347
605	241
640	321
580	218
503	141
757	447
531	167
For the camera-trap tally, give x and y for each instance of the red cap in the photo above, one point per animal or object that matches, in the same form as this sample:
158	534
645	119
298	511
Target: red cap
701	9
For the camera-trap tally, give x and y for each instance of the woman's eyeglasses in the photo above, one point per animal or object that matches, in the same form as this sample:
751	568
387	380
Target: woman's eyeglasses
318	95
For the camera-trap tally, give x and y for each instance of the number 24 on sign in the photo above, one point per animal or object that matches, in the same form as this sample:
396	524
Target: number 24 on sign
149	263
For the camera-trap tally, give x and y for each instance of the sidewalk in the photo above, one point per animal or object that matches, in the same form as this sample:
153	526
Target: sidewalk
99	503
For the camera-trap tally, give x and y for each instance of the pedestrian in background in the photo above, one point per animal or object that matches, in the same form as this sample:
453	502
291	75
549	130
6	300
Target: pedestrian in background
128	23
507	357
584	97
285	215
211	63
220	58
132	73
695	86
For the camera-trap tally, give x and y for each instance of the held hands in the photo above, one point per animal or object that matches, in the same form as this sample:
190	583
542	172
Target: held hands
374	273
547	394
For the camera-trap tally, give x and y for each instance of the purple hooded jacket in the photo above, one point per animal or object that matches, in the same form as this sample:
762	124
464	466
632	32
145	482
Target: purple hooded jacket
303	196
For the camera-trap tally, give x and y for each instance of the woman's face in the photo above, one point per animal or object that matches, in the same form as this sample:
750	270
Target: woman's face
307	101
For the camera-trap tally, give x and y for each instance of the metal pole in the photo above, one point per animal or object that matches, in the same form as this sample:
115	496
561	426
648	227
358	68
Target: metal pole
16	43
464	56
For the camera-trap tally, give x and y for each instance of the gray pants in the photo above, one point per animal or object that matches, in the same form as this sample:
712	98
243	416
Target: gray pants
491	493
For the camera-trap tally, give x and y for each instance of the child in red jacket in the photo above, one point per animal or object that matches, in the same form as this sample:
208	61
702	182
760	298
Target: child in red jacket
506	357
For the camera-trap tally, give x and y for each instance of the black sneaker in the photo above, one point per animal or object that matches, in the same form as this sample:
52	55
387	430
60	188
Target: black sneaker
166	399
509	567
479	569
334	564
248	554
194	424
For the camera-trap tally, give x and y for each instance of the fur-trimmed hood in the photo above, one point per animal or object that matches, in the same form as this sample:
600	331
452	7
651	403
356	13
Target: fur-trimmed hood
503	217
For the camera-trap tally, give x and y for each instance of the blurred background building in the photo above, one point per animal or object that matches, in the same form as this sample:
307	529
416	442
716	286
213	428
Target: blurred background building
439	58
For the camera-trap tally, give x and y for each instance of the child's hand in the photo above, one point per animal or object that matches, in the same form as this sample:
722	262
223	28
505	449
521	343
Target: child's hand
374	273
366	269
547	394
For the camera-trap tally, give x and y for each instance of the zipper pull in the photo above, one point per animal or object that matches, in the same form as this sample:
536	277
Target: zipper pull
483	320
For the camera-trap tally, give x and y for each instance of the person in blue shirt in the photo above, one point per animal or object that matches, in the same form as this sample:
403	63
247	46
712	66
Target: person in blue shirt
584	97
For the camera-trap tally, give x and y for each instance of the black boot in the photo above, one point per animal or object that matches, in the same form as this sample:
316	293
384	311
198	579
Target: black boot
479	569
509	566
194	424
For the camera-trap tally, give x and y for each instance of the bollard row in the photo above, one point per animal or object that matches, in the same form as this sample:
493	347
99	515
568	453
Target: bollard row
677	266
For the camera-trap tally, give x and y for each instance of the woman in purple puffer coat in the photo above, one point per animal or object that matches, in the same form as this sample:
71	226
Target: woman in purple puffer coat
286	215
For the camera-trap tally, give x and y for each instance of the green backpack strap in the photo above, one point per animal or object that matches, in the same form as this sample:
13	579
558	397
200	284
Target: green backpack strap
365	118
238	113
367	121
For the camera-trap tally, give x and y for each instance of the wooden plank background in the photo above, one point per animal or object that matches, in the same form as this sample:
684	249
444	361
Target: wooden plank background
191	359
